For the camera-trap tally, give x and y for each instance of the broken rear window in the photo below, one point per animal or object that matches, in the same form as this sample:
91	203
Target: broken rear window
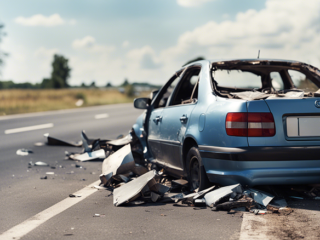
236	79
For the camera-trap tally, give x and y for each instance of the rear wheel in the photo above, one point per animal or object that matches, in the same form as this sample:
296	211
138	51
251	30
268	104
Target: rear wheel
196	173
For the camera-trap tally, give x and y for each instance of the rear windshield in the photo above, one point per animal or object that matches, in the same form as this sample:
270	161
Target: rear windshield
236	79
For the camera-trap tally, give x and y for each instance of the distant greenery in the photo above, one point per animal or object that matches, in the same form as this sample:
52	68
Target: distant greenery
59	75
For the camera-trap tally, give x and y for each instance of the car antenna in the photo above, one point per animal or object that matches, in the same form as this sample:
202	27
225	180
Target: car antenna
259	54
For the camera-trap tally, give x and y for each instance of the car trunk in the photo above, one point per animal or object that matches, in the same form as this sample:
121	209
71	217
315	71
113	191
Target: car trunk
297	123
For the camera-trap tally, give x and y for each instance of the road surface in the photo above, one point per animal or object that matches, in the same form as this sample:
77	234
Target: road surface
24	195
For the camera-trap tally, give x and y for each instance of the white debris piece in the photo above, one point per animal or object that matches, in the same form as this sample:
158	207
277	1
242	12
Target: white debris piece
23	152
119	162
131	189
41	164
213	197
99	154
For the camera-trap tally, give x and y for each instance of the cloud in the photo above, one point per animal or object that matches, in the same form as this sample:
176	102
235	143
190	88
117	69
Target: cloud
41	20
89	44
125	44
144	58
86	42
192	3
283	29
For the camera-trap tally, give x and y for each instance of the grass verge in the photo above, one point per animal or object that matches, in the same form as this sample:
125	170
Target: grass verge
16	101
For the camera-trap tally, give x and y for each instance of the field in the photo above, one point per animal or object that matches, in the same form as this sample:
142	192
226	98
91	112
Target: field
24	101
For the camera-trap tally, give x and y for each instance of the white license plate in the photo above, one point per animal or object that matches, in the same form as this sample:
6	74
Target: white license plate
303	126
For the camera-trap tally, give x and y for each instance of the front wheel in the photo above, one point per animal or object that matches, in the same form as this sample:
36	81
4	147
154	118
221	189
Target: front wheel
196	173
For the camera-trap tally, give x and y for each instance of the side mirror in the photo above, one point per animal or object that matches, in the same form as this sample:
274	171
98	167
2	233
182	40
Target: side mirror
141	103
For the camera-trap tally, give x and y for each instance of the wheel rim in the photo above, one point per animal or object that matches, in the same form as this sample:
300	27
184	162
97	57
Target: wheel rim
194	173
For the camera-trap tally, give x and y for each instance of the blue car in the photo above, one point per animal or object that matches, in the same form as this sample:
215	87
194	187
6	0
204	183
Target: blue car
248	121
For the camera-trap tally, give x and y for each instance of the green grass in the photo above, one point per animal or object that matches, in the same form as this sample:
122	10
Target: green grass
25	101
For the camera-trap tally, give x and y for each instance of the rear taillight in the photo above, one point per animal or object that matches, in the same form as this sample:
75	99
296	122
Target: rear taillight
250	124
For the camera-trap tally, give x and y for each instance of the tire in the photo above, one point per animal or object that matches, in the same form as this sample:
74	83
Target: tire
197	176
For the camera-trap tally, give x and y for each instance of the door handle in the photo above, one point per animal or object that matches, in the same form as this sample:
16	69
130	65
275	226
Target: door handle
184	118
157	119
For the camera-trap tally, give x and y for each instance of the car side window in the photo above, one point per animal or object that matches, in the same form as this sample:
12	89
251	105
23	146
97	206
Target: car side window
165	93
187	89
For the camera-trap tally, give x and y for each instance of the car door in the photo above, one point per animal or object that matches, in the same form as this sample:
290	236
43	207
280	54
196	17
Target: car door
155	118
175	119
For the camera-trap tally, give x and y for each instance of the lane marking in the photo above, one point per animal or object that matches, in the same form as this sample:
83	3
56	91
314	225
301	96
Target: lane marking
30	128
100	116
30	224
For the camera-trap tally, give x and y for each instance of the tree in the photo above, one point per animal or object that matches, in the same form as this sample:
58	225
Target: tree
194	60
93	84
109	85
60	72
125	83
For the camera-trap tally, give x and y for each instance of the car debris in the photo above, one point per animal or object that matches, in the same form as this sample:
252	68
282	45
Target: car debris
215	196
50	173
23	152
45	177
134	182
259	196
57	142
74	196
118	163
88	156
39	163
132	189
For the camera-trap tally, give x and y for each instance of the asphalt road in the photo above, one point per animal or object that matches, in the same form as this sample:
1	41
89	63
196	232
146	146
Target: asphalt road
23	194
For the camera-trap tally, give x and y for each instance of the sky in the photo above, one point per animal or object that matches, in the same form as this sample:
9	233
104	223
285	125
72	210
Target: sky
148	40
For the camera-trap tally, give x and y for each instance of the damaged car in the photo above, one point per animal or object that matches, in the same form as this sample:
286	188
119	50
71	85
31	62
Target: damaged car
251	121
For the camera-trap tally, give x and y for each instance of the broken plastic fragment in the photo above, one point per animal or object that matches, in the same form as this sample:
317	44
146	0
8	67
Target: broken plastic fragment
213	197
200	202
99	154
58	142
132	189
119	162
23	152
41	164
50	173
74	196
155	197
260	197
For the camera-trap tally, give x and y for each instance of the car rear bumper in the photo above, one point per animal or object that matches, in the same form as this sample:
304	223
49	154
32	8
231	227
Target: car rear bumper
262	165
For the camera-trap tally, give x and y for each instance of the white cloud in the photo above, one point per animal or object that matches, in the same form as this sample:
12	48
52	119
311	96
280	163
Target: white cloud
125	44
89	44
283	29
192	3
144	58
86	42
41	20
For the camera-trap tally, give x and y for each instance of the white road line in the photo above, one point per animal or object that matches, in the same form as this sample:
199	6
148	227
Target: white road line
27	226
30	128
100	116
